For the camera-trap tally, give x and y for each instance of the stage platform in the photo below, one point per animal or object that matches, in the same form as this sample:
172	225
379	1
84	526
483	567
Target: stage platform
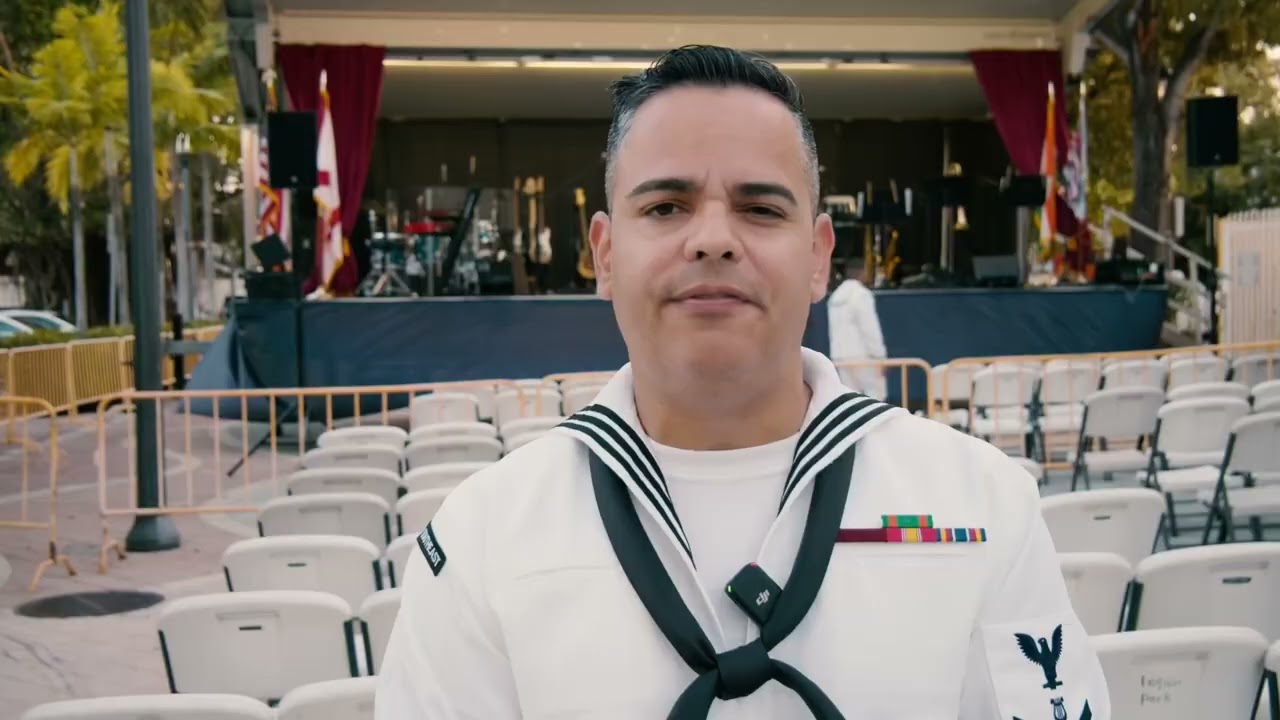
394	341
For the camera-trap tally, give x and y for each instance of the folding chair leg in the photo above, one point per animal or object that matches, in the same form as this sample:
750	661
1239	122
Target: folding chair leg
1208	523
1172	529
1228	530
1255	524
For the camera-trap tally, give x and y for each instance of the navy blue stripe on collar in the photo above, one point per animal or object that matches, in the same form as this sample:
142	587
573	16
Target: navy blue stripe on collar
849	415
610	440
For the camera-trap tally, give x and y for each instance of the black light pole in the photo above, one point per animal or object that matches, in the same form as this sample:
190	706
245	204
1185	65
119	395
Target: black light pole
149	533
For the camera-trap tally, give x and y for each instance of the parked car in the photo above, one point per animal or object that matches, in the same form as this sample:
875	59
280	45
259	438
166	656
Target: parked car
37	320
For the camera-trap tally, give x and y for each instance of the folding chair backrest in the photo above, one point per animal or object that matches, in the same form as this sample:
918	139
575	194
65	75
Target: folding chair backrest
1181	674
1096	585
579	396
444	475
1255	369
1196	370
1199	425
1133	373
526	402
474	428
1270	404
259	644
514	442
349	699
1004	386
1266	392
383	458
379	615
528	425
955	380
1123	521
383	483
193	706
398	554
364	436
457	448
1255	443
440	407
1209	390
363	515
344	566
417	508
1067	383
1126	412
1233	584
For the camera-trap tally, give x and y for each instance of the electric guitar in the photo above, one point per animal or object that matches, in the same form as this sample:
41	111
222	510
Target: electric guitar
586	263
542	254
519	280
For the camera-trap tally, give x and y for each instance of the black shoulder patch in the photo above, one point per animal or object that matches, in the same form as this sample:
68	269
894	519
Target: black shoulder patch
431	550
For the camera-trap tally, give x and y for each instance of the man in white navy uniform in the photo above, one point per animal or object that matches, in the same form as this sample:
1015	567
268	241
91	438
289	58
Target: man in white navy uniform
728	531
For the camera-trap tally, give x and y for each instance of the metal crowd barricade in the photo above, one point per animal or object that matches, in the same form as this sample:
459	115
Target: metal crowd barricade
907	382
208	437
37	503
1035	404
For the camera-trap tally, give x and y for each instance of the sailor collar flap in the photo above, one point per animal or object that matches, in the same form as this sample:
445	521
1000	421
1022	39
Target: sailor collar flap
611	430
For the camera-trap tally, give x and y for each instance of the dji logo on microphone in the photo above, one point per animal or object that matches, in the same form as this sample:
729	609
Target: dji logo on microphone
762	598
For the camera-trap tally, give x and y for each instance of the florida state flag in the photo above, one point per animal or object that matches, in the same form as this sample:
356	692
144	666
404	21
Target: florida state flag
335	271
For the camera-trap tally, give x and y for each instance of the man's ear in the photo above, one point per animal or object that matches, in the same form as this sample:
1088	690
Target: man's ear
824	241
602	253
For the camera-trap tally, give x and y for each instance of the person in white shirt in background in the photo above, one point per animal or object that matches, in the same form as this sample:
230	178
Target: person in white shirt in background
854	331
727	531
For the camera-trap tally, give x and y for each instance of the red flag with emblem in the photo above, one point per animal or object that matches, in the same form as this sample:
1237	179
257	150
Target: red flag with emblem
333	253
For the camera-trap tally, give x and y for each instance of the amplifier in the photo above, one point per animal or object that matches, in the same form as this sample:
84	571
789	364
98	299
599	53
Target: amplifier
271	286
1129	272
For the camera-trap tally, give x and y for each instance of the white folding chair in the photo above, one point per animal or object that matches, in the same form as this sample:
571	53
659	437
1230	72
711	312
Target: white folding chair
259	644
382	458
377	617
398	554
1235	584
955	384
1063	389
458	448
443	407
348	699
433	431
344	566
1253	450
192	706
1124	521
525	402
383	483
1148	372
1255	369
1114	414
417	508
580	395
522	426
1219	389
1271	404
363	436
1266	393
1196	370
1000	407
1097	584
515	442
363	515
1189	672
1189	435
444	475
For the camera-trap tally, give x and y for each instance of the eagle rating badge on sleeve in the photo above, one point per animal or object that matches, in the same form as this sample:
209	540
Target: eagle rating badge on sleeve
1039	670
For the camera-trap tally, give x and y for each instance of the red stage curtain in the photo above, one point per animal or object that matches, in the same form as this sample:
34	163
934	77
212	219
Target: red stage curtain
1016	84
355	92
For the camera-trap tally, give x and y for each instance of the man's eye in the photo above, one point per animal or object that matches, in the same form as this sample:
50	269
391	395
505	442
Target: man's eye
663	209
764	211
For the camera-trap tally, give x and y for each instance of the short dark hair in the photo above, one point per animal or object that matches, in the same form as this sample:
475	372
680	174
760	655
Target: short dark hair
706	65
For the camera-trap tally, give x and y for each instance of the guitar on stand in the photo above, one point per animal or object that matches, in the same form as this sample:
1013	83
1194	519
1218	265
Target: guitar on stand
542	248
586	262
519	280
530	191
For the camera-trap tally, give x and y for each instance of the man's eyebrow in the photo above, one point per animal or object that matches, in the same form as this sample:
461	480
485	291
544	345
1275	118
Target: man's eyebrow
765	189
663	184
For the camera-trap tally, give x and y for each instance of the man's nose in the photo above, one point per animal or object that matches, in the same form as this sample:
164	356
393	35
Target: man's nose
713	236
